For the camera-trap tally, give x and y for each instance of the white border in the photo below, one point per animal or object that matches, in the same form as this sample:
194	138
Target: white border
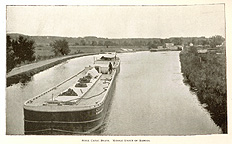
209	139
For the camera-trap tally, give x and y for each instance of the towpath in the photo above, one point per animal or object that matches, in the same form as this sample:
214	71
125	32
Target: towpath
39	64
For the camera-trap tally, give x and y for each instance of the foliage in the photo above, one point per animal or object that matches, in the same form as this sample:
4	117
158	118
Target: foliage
108	43
157	42
216	40
100	43
177	41
10	63
82	42
18	51
94	43
23	49
152	45
207	74
60	47
203	41
163	41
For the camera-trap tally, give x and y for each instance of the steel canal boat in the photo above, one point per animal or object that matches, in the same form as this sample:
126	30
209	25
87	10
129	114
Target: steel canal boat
78	105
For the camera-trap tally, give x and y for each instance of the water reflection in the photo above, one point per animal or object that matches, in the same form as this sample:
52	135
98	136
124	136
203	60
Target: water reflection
22	79
216	115
104	125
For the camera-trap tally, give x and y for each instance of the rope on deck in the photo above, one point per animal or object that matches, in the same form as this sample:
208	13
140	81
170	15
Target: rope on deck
104	89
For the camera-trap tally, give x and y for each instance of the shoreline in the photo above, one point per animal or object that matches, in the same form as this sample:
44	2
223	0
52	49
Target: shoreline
25	75
205	74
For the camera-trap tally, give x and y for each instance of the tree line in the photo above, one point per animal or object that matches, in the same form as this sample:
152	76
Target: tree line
141	42
150	42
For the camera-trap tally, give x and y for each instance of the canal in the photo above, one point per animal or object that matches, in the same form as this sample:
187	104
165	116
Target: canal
150	97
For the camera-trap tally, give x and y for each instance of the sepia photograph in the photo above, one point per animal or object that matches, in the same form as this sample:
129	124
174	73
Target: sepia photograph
116	70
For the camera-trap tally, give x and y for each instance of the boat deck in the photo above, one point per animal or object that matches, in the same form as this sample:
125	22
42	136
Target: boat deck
87	98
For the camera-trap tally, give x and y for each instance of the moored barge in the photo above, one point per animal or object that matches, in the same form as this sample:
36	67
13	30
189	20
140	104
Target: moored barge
78	105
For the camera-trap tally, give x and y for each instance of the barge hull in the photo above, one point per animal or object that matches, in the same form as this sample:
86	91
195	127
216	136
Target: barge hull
69	122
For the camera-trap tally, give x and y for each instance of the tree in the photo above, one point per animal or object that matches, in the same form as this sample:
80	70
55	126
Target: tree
94	43
177	41
83	43
194	41
216	40
23	49
100	43
157	42
60	47
108	43
203	41
152	45
163	41
10	63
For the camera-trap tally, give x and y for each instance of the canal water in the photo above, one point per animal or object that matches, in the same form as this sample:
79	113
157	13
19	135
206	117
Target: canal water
150	97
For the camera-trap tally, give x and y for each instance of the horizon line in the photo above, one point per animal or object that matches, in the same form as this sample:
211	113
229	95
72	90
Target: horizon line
114	37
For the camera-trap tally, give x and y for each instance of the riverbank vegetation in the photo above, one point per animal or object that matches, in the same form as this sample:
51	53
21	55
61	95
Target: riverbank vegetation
18	51
206	74
60	47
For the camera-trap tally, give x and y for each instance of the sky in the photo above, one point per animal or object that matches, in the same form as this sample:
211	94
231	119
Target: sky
117	21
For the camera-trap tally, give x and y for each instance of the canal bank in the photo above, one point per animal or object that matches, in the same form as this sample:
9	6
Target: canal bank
24	73
206	75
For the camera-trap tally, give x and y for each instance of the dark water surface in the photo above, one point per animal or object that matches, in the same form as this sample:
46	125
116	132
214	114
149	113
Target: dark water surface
150	97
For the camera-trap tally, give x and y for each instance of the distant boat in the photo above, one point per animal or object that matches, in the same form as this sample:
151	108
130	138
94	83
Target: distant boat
153	50
127	50
78	105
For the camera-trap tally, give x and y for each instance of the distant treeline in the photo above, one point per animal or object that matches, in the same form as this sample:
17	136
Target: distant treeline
206	74
149	42
21	48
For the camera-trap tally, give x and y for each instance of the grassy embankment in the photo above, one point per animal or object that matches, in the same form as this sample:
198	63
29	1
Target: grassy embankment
45	52
24	77
206	74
